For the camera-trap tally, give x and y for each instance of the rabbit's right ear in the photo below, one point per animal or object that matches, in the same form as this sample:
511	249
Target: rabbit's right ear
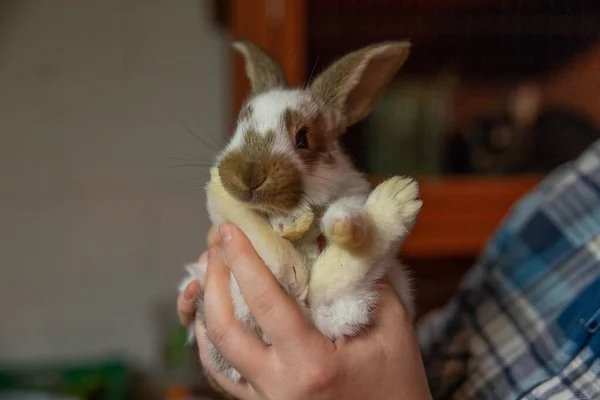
262	70
352	84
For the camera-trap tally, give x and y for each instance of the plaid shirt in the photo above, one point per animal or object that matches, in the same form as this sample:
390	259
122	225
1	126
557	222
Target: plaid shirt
525	323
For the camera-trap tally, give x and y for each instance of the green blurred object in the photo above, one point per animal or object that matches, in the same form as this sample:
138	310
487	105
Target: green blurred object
407	125
95	381
177	353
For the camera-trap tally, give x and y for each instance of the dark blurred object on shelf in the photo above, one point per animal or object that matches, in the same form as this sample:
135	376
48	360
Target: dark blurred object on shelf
480	42
522	137
407	127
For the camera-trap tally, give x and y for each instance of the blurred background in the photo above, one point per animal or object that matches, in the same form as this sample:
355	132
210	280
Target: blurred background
110	112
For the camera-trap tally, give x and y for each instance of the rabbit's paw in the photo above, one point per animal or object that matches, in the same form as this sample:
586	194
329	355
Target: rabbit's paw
294	225
345	225
393	205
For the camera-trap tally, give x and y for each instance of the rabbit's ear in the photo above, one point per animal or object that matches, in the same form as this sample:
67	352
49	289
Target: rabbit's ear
262	70
352	84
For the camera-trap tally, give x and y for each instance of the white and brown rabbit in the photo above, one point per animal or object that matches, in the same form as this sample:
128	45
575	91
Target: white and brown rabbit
284	179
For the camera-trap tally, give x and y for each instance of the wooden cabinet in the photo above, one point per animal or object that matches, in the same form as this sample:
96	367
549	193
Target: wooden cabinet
459	216
459	213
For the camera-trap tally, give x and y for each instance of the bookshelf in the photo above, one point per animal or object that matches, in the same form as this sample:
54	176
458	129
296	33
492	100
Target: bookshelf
297	32
483	42
461	213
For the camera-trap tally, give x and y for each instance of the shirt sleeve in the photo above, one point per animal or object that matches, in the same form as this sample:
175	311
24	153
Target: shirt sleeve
512	328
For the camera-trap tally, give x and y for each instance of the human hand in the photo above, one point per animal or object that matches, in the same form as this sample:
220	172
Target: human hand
383	362
186	302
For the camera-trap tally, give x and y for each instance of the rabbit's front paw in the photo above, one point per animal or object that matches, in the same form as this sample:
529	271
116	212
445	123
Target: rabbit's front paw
393	205
344	225
294	225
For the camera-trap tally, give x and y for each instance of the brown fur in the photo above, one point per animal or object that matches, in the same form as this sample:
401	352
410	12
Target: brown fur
352	84
245	112
320	141
262	70
268	182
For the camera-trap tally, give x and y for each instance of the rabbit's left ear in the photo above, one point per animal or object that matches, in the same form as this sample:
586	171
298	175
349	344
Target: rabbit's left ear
352	84
262	70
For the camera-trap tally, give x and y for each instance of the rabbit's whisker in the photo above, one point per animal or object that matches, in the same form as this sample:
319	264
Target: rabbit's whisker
202	166
211	146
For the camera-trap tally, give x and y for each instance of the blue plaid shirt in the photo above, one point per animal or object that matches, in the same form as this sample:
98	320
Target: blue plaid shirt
525	323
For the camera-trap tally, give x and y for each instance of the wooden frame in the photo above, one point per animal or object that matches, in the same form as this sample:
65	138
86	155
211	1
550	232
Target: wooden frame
460	214
276	25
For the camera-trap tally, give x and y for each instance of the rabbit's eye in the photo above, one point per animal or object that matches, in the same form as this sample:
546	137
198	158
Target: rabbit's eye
302	138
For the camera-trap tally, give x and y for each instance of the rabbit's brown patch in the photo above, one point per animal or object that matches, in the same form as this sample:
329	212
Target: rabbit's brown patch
292	120
257	146
263	71
326	139
245	112
320	141
254	175
352	84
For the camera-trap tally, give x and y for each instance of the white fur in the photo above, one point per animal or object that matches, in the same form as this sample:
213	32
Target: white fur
342	287
196	271
267	112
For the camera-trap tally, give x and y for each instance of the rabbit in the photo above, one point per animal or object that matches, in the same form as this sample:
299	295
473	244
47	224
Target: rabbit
289	181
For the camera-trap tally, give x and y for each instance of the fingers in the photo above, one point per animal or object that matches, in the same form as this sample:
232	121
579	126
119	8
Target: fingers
241	390
277	314
186	303
187	300
212	238
391	317
241	348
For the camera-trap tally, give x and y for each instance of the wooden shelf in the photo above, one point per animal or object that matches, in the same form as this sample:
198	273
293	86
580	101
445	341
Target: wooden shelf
461	213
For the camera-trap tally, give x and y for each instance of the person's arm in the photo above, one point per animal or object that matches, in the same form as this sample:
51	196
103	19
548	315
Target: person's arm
382	363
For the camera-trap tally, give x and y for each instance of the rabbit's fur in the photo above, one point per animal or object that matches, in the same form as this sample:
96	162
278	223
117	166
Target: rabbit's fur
283	180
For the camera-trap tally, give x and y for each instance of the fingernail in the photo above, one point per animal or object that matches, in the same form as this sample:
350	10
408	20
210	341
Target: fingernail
225	234
211	254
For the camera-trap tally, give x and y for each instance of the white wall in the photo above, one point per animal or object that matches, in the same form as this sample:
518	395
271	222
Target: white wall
93	228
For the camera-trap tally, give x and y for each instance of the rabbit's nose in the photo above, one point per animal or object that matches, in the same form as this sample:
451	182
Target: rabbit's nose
253	176
249	196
